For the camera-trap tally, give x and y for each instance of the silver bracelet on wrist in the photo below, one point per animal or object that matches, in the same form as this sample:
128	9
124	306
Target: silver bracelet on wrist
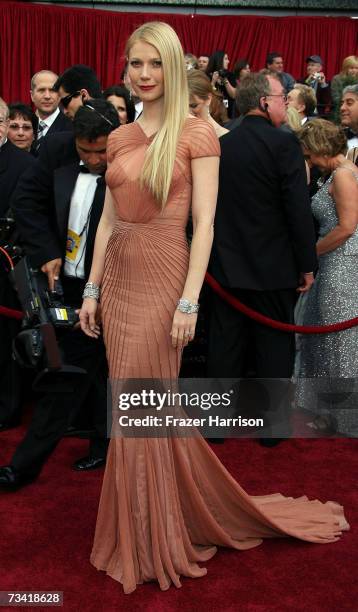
187	307
91	290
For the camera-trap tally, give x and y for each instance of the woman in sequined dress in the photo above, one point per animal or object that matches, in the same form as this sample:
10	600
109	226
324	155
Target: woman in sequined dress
329	362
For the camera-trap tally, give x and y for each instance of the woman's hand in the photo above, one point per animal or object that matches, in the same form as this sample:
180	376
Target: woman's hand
88	318
215	78
183	329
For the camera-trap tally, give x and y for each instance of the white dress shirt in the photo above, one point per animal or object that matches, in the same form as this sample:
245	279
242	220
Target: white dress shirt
78	223
49	121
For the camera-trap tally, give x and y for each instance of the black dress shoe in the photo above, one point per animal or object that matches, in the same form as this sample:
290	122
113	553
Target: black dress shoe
11	480
270	442
88	463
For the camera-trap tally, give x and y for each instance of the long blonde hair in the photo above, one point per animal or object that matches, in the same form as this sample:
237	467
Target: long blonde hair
158	164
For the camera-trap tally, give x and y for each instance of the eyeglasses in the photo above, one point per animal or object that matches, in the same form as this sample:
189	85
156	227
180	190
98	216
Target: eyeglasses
64	102
284	96
17	126
3	121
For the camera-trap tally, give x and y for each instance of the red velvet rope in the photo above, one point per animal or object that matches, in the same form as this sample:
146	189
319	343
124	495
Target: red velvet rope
10	313
287	327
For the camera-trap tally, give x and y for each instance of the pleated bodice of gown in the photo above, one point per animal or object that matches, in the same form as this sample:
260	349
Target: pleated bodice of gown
166	503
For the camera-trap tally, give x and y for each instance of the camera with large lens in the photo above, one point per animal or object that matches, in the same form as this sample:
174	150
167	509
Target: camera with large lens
45	314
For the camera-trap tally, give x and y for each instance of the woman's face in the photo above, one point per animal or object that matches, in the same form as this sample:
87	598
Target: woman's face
244	71
145	71
353	71
119	104
315	159
226	62
199	107
21	132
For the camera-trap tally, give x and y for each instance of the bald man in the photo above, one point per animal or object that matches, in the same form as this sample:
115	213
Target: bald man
46	102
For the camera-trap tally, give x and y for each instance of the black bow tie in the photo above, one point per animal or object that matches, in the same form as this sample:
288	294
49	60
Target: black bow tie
350	134
84	170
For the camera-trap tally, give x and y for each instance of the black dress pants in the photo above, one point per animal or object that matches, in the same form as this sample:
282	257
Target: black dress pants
232	334
10	374
53	411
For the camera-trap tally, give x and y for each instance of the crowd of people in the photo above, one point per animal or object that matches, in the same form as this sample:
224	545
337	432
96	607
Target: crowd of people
103	186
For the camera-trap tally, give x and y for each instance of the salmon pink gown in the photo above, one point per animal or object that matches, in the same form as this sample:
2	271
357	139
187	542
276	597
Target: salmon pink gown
167	503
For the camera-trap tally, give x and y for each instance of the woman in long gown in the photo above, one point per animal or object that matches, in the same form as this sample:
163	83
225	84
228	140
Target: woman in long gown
328	363
167	502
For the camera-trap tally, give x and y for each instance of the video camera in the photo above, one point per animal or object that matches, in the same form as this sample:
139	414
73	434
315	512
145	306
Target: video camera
44	311
36	345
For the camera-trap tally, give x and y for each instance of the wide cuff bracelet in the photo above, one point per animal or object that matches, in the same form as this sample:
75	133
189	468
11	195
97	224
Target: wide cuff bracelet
91	290
187	307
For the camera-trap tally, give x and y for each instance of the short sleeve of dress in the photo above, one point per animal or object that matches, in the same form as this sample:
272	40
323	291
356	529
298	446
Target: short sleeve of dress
203	142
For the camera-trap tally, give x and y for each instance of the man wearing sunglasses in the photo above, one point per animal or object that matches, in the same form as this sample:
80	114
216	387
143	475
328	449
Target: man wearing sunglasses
76	85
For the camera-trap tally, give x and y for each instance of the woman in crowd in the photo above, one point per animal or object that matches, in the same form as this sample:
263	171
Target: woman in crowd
222	79
191	62
122	102
241	69
167	502
347	76
201	97
327	359
22	126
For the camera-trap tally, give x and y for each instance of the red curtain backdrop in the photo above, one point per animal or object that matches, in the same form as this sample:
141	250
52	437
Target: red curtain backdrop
33	37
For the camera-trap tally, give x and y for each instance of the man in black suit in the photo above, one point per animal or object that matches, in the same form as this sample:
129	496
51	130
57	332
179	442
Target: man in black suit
46	102
66	228
264	242
13	162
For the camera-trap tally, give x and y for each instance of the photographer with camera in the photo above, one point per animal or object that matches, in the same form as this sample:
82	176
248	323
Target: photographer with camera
72	215
222	80
317	80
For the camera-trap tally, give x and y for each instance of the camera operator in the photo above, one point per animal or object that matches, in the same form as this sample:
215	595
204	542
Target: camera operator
13	162
72	216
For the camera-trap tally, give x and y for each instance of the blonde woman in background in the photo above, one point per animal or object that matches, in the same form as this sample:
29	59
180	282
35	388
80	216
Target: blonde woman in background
347	76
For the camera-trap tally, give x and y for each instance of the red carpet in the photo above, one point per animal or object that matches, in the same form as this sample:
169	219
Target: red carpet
47	527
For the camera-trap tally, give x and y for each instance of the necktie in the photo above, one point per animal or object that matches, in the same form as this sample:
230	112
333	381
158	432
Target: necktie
40	132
